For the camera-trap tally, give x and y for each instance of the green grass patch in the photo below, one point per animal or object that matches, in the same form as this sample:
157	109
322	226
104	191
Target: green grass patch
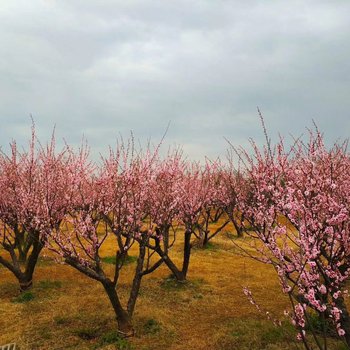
129	259
48	284
114	338
250	334
211	246
151	326
317	324
24	297
87	333
273	335
198	296
108	260
172	284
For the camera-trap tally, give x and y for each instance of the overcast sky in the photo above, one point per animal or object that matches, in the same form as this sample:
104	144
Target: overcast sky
102	68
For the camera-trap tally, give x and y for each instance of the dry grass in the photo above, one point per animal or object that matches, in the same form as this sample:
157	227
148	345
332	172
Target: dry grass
67	310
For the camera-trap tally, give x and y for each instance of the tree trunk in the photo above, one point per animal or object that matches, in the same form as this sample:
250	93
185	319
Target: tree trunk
123	318
172	267
165	231
168	262
25	282
187	252
206	239
204	231
30	266
238	228
135	288
22	256
25	278
202	240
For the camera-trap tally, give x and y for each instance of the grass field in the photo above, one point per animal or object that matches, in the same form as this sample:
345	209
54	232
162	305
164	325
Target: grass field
66	310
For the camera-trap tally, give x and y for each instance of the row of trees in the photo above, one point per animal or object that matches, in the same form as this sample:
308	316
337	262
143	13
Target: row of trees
293	203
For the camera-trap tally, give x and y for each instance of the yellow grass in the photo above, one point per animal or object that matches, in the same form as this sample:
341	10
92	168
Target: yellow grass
71	311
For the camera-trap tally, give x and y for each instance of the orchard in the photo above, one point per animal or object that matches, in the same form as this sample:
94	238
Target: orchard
285	206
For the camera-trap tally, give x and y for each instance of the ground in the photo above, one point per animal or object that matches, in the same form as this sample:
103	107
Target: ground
66	310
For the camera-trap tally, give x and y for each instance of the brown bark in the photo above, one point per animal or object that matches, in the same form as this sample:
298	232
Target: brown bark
123	318
25	282
31	264
172	267
180	275
135	288
24	277
187	252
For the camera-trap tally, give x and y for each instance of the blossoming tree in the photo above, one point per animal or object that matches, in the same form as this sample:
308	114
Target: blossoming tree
110	204
297	201
185	198
34	200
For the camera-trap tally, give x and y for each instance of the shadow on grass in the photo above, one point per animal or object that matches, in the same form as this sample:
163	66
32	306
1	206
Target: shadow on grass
111	259
171	283
113	337
48	284
209	247
24	297
247	334
151	326
41	290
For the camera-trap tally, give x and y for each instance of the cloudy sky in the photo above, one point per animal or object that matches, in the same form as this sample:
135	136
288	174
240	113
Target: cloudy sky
101	68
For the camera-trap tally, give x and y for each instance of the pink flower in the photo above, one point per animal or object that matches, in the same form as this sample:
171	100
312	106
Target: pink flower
336	294
322	289
341	332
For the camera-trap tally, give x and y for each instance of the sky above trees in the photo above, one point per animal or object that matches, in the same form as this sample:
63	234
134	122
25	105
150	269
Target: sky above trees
103	68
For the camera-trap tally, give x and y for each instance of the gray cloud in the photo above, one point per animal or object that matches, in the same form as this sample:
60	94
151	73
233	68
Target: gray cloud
101	68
